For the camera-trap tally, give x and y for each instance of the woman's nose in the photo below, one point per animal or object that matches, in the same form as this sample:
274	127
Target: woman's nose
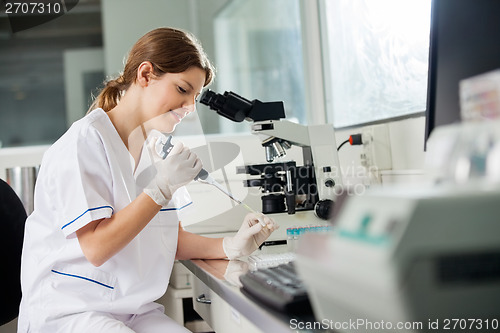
188	108
190	105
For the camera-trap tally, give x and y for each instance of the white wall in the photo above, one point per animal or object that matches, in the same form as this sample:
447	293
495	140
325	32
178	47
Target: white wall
407	153
124	21
407	143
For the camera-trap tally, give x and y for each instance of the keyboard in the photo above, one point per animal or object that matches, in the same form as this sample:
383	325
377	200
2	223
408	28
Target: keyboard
277	287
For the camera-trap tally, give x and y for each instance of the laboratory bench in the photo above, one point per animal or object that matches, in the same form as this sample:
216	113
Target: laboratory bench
219	301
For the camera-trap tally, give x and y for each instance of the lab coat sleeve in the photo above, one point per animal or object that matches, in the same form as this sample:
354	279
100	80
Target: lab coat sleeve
177	207
84	188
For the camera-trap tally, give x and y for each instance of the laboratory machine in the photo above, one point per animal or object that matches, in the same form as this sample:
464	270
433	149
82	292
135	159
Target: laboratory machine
412	259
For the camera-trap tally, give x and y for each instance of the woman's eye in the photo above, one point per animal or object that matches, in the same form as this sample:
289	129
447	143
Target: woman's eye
182	90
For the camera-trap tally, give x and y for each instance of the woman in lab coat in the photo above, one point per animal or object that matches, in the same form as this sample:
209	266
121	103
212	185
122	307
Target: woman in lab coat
100	245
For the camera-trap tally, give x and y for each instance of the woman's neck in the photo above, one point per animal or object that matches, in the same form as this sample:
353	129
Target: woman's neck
126	121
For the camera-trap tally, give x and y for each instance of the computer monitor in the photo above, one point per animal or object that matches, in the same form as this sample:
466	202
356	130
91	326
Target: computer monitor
465	41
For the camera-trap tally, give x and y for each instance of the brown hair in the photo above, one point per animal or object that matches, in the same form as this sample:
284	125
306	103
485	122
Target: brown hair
169	51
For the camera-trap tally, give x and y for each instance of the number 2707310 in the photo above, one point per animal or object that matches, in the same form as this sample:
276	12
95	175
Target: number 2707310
469	324
32	8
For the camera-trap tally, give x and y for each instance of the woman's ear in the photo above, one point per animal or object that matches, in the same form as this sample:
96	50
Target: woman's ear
144	73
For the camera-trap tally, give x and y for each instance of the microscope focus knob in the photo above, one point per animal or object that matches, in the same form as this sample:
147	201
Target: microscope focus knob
323	209
329	182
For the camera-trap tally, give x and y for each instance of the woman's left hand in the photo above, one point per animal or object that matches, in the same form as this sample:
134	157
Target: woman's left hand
250	236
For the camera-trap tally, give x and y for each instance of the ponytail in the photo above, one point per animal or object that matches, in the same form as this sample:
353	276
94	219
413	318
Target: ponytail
110	95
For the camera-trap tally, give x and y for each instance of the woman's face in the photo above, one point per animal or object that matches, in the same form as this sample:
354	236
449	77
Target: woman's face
168	99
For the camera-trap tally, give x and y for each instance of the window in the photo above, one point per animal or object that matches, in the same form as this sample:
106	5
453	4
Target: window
259	55
377	58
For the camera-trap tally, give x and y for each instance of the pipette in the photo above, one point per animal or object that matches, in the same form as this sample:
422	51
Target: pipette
164	146
207	179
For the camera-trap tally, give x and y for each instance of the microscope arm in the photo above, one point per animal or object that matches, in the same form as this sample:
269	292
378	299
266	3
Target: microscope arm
294	133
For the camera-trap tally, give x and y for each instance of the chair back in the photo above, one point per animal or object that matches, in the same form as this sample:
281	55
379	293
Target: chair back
12	220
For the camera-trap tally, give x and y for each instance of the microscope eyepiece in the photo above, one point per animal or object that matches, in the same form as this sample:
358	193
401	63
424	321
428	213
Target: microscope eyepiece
237	108
229	105
207	96
213	100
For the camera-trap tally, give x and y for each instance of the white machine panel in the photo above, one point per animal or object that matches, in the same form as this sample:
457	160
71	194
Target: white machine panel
402	256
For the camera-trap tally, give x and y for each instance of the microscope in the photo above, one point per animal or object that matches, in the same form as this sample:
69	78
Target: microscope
285	185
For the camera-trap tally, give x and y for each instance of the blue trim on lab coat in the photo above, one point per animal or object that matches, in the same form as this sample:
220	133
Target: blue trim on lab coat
88	210
175	208
84	278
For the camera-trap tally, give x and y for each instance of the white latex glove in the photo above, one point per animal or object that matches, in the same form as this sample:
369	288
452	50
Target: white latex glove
250	236
179	168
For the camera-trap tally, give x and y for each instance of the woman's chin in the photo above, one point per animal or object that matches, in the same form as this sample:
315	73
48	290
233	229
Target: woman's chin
163	123
169	129
166	128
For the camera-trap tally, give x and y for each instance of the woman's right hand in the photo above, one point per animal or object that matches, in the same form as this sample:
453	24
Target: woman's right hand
179	168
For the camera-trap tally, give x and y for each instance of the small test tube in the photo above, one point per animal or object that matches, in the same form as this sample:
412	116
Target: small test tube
295	238
289	239
261	221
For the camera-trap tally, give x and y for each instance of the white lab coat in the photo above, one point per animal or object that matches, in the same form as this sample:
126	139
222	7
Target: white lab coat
88	175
